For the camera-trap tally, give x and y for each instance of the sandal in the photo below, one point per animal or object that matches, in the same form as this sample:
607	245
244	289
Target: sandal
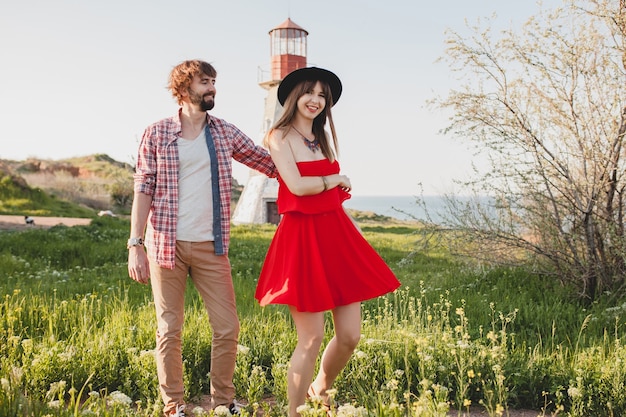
311	394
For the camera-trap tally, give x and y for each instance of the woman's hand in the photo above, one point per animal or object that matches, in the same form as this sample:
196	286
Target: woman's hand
342	182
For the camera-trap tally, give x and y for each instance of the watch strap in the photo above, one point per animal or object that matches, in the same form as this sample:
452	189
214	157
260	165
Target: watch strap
134	241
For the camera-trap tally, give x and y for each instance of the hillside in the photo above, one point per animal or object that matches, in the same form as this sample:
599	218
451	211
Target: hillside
77	187
20	198
74	187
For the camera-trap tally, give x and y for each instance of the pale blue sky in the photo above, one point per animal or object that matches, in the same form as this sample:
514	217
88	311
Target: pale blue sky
84	77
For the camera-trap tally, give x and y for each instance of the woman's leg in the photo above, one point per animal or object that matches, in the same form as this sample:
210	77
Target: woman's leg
347	320
310	329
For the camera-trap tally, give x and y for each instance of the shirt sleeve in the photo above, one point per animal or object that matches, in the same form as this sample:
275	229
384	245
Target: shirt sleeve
145	170
251	155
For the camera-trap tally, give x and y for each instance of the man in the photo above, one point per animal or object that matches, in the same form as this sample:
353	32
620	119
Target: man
181	202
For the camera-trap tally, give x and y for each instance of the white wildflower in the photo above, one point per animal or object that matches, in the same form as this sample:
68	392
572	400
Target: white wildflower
27	345
348	410
574	393
392	385
462	344
56	388
395	406
119	398
443	406
198	411
54	404
222	411
359	354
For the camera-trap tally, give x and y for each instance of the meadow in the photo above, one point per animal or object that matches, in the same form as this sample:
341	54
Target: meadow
77	335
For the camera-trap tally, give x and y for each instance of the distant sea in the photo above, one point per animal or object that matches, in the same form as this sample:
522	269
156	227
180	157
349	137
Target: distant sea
399	207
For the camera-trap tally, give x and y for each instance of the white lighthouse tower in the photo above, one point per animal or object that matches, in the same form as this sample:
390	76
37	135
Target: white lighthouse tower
257	203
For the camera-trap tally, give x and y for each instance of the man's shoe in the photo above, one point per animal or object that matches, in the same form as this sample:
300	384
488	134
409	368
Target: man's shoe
178	412
234	409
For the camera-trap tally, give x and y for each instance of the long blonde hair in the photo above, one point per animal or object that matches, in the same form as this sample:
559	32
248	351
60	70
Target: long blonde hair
289	114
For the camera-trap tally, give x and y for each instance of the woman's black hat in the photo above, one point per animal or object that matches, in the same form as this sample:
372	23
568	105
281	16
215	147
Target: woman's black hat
309	74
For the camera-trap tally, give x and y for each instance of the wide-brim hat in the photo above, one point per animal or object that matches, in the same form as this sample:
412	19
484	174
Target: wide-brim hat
309	74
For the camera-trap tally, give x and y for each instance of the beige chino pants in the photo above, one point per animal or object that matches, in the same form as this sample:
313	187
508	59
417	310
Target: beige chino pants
211	275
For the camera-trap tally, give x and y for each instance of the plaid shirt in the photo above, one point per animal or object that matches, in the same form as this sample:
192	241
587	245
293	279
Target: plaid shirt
156	174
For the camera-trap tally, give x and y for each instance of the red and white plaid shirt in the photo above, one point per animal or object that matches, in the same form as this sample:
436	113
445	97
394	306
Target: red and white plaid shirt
156	174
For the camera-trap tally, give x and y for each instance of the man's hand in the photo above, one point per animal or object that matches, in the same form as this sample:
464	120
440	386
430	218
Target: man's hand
138	265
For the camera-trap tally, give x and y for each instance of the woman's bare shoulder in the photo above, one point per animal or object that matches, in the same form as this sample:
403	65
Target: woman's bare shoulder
278	136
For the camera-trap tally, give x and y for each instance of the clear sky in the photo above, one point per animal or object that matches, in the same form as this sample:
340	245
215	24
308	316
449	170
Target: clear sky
80	77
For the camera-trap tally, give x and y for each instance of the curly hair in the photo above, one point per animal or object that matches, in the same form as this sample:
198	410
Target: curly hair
182	75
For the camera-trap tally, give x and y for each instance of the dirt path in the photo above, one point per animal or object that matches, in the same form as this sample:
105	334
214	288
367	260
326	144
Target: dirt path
18	223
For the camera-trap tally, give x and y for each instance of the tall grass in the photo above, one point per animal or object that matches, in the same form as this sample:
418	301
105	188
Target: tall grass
77	335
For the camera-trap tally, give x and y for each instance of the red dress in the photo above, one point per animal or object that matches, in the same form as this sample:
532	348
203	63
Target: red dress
318	259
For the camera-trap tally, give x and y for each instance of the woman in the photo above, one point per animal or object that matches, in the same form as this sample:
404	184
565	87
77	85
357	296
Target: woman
318	260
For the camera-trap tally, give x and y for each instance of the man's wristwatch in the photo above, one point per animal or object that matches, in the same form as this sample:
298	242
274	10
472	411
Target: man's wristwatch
134	241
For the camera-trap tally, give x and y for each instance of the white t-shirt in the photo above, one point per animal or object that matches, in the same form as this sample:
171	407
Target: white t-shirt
195	196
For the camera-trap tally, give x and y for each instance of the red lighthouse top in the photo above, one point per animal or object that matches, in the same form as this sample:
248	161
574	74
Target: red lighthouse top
287	48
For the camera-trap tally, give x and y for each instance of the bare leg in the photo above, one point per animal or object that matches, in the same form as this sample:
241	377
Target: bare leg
347	321
310	329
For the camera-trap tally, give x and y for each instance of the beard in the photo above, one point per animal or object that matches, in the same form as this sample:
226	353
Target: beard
206	102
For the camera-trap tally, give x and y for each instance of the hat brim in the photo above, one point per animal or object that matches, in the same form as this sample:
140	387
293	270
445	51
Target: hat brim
309	74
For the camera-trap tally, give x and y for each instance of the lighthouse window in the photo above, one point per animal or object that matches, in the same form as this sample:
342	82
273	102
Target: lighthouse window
288	42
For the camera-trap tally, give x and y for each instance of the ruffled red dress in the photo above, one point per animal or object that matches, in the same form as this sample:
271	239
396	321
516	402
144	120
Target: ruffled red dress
318	259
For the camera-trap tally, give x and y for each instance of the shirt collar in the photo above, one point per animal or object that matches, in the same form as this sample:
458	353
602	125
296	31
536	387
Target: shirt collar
179	125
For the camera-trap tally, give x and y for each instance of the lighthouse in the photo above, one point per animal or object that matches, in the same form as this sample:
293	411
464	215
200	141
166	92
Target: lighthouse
288	47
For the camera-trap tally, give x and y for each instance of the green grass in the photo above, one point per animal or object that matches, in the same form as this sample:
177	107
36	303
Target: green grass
76	334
